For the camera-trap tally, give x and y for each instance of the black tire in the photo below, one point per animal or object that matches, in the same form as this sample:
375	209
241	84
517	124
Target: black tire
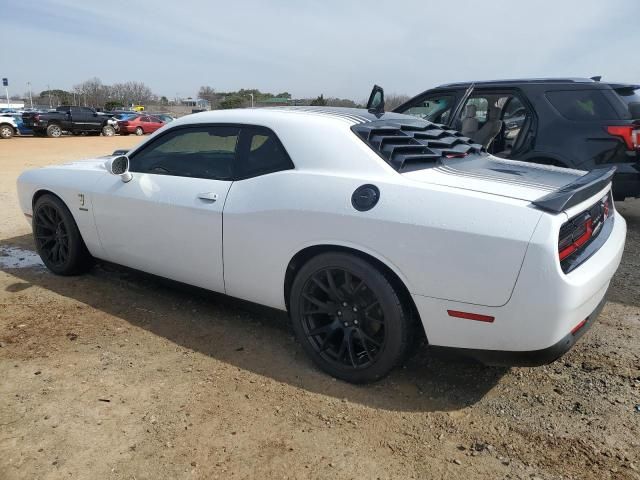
58	240
6	130
108	131
353	326
139	131
54	131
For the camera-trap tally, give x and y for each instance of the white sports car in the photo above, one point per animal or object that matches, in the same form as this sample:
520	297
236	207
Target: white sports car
367	227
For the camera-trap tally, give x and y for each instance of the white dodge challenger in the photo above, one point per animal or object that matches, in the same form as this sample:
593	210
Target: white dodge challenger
366	227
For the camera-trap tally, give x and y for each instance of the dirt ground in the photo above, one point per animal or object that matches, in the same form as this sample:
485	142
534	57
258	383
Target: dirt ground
115	375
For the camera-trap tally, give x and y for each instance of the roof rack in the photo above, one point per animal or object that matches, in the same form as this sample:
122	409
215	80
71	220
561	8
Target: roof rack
521	80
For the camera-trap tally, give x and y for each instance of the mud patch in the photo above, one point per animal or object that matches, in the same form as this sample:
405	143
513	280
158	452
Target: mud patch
15	257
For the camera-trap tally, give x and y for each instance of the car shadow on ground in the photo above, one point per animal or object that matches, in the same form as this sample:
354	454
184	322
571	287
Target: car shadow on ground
255	338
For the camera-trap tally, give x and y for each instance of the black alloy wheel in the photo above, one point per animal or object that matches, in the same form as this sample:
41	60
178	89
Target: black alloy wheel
58	240
349	318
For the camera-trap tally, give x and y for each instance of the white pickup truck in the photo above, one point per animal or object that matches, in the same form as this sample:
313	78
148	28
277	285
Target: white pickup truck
8	126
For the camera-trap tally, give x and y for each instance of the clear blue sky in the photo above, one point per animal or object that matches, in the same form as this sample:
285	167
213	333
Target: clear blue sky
339	48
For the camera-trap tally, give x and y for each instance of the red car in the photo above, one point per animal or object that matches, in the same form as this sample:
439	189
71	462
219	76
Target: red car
140	124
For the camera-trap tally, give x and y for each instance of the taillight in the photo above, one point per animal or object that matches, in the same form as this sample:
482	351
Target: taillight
570	244
578	231
635	137
629	133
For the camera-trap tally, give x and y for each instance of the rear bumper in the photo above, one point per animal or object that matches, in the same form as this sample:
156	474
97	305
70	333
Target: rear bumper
533	358
545	306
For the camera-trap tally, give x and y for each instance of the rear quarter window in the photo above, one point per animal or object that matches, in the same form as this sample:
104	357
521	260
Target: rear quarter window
582	105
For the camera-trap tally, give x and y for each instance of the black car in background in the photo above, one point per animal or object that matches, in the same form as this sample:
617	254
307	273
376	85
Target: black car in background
574	123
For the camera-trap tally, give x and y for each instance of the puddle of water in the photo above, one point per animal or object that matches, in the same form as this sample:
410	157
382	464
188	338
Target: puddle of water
14	257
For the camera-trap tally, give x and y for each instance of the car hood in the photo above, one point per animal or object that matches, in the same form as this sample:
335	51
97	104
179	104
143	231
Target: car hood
88	164
497	176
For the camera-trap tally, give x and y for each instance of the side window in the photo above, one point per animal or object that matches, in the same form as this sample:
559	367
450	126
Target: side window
482	107
582	105
262	153
145	119
434	109
198	152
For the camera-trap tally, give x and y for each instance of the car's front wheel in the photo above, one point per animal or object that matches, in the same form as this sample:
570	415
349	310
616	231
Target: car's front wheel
58	240
139	131
349	318
108	131
6	131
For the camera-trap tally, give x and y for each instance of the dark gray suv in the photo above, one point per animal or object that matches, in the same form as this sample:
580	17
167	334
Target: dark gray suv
574	123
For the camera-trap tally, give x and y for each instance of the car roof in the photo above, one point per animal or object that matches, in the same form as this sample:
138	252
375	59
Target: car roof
513	81
349	116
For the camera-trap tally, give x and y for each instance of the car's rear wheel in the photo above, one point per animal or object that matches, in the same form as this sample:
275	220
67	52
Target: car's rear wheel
108	131
58	240
54	131
349	318
139	131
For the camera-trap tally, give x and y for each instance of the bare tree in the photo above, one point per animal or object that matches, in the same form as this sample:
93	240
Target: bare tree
394	100
92	93
130	93
209	94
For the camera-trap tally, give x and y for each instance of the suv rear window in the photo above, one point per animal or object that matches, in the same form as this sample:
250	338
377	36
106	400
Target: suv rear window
582	105
629	95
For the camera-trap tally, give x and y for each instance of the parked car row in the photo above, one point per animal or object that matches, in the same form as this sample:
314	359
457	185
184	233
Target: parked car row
78	120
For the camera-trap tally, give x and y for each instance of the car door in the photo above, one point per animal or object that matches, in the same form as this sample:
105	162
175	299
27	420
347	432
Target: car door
155	123
256	218
168	219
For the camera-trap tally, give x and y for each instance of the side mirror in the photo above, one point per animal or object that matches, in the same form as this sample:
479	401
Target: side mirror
120	166
375	104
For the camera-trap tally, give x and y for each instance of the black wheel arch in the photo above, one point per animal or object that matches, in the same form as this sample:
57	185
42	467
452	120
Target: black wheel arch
44	191
306	254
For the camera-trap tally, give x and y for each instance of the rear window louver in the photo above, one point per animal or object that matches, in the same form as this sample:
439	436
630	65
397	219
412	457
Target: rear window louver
410	146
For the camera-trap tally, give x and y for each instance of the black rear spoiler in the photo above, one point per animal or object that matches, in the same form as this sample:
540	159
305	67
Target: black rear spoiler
575	192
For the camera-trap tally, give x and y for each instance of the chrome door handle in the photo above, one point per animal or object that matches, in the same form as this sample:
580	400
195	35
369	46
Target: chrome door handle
208	196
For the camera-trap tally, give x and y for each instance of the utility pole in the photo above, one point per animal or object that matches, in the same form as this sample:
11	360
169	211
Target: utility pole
49	91
5	83
30	96
251	95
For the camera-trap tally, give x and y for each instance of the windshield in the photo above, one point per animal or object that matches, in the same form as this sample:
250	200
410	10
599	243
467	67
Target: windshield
124	116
